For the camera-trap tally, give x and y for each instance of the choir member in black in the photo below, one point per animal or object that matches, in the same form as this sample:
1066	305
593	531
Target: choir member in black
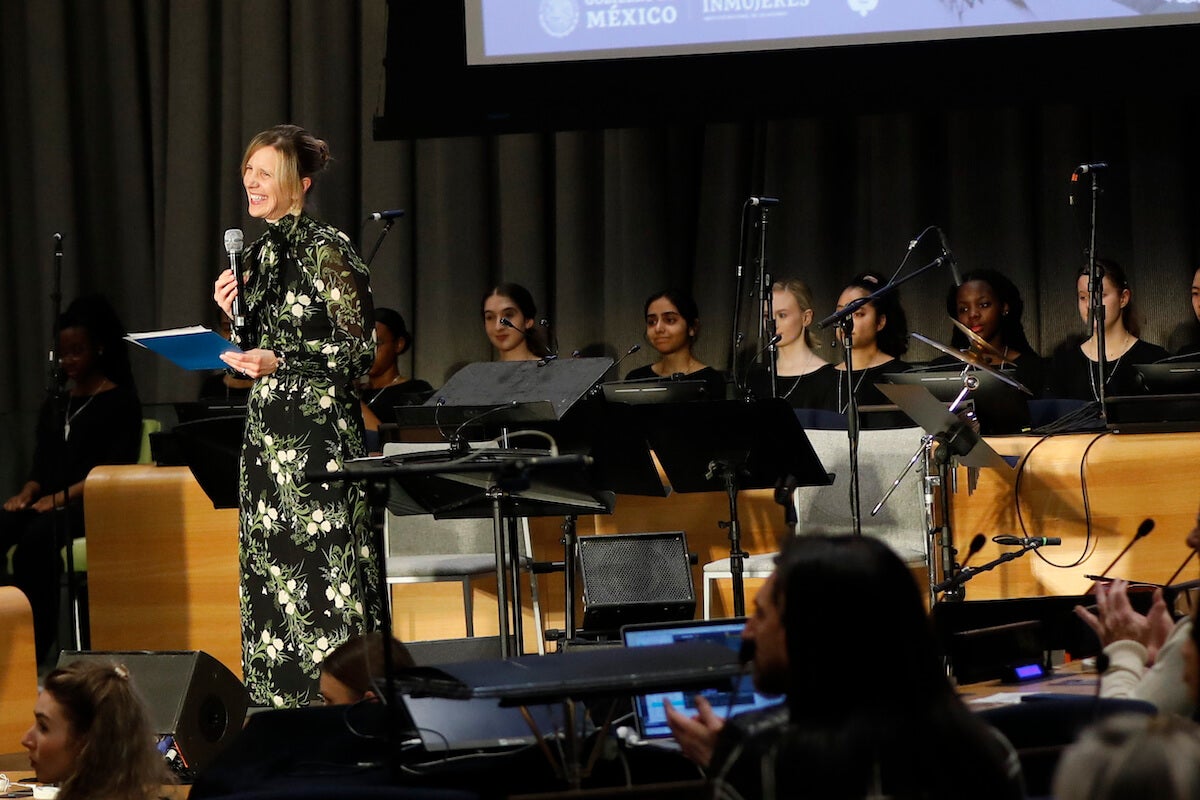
672	325
1074	366
880	337
98	422
510	319
1185	339
990	305
386	387
802	376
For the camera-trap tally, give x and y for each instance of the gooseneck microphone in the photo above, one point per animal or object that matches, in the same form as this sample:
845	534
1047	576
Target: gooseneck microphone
506	323
234	243
976	545
1142	530
1028	541
632	349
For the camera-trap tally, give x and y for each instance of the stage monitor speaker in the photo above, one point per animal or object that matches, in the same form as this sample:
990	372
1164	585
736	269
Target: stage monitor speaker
631	578
195	703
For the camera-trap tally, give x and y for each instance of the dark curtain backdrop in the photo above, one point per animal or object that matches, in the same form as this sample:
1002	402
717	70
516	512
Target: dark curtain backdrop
124	124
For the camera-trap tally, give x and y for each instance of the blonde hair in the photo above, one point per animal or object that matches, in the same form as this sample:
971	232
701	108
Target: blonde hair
804	298
301	155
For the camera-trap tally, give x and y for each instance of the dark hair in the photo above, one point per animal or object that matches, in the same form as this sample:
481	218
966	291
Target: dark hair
394	322
524	300
684	303
1012	326
301	155
358	661
875	703
99	319
1116	276
893	339
1129	756
118	757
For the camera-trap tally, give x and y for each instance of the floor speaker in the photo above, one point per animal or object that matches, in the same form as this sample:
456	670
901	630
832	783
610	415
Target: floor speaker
192	699
631	578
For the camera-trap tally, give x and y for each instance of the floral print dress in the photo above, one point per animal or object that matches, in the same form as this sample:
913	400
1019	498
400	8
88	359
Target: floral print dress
308	567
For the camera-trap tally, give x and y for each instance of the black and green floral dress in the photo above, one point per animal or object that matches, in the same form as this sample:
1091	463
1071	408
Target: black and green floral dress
307	562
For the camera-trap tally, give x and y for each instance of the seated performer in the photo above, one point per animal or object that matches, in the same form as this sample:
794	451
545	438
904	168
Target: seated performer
672	326
802	376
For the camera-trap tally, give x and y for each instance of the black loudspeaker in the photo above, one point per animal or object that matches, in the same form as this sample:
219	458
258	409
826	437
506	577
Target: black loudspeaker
192	699
631	578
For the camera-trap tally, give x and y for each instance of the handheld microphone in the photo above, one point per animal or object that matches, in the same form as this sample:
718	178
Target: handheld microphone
764	201
1028	541
949	256
234	242
1084	169
1142	530
394	213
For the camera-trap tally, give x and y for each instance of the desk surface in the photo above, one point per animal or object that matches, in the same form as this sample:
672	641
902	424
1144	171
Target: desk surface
1074	677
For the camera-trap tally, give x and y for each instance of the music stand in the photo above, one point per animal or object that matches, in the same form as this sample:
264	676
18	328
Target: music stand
956	439
212	450
492	397
731	445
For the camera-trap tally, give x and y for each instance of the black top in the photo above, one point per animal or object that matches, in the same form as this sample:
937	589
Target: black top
105	428
1072	375
383	401
214	388
868	395
1029	370
712	377
816	389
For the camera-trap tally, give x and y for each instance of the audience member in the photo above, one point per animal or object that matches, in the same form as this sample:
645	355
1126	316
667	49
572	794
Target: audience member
853	729
672	327
1145	652
1074	367
92	736
349	671
99	421
1131	757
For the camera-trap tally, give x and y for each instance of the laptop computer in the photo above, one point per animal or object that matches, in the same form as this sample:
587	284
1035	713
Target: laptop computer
649	710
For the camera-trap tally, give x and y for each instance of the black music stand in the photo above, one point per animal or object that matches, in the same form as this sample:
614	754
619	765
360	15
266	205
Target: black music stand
212	449
492	397
730	445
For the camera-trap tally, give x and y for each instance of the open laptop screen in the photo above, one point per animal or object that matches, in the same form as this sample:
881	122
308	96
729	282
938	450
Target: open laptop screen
650	709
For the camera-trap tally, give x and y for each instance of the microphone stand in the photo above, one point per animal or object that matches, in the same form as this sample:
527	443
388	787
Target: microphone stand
1096	319
57	389
766	324
387	226
966	573
844	317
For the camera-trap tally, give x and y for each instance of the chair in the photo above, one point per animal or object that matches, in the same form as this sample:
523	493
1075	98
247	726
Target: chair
421	549
882	456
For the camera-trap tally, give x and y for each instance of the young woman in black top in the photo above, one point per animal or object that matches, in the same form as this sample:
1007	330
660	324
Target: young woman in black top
672	325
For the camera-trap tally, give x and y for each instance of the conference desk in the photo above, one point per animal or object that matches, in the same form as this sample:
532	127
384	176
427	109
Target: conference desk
1091	490
163	563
